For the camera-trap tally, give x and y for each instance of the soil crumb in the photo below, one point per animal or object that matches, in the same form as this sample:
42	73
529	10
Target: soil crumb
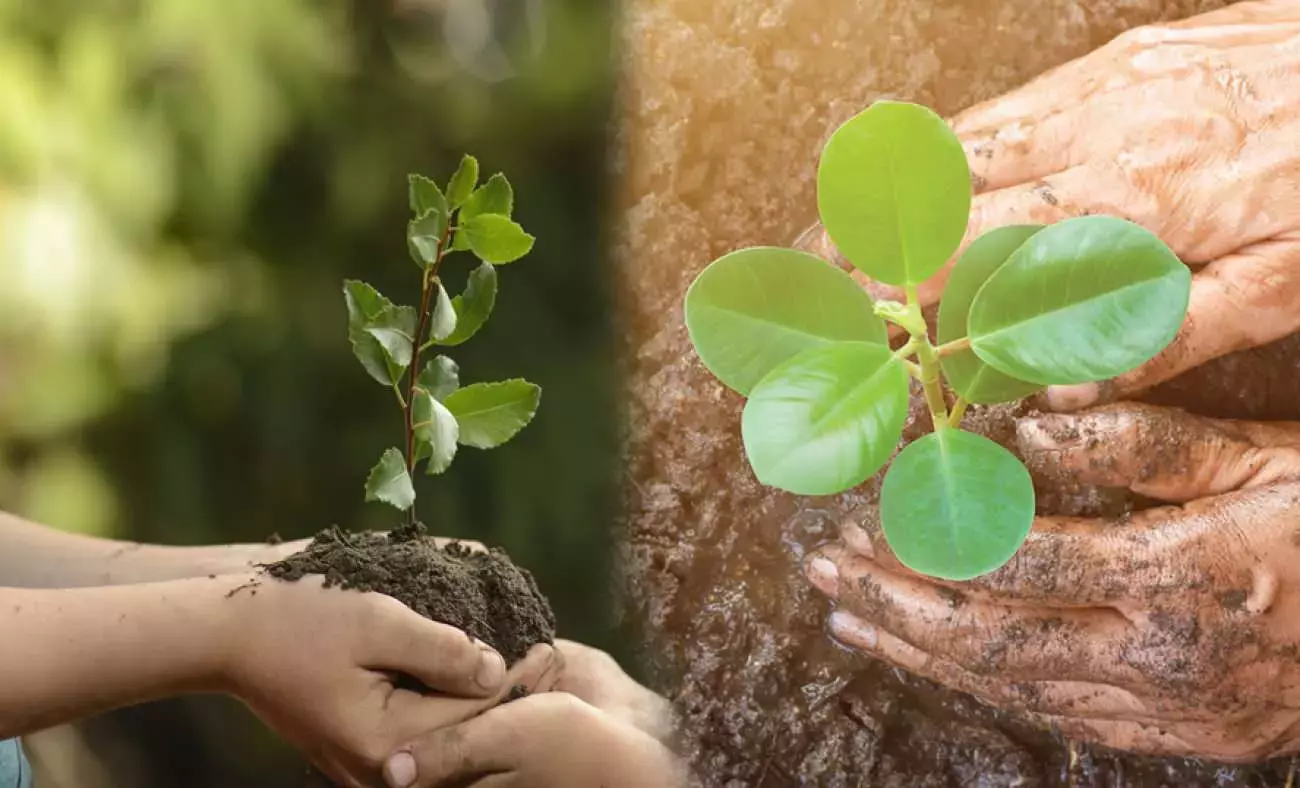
483	593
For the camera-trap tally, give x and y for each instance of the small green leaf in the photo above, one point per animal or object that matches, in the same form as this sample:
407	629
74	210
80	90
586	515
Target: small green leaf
964	371
462	182
474	306
956	505
1081	301
495	239
827	419
363	301
436	431
753	309
494	196
424	236
443	319
394	329
894	192
380	332
390	482
492	413
440	377
425	196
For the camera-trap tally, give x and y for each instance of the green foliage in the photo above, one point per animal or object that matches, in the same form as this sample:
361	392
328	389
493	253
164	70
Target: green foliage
492	413
753	309
826	419
1025	306
387	339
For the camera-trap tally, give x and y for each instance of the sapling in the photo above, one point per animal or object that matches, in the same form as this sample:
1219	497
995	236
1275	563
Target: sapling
438	413
1026	306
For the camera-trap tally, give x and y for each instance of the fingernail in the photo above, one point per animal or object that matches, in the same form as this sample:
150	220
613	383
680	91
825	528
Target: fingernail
825	575
399	771
852	630
491	670
1047	433
1071	398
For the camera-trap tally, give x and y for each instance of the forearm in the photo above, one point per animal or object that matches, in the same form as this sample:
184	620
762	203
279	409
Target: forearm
69	654
34	556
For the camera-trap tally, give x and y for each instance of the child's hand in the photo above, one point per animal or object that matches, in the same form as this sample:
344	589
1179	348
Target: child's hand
319	666
551	740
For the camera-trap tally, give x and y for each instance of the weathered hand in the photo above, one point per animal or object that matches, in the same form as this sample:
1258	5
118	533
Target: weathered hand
594	677
1173	631
1188	129
321	667
551	740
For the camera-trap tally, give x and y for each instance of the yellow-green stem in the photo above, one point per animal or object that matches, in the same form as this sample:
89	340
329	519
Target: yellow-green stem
927	358
958	411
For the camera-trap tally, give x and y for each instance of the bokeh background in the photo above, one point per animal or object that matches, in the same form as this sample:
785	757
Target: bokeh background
184	184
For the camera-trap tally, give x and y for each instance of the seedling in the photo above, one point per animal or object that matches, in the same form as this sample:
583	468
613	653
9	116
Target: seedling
1025	307
439	414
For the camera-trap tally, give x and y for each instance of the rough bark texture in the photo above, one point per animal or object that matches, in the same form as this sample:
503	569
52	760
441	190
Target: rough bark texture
726	104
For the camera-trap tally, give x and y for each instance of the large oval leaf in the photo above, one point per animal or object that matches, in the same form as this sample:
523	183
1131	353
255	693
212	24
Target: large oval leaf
956	505
1081	301
965	372
827	419
894	191
753	309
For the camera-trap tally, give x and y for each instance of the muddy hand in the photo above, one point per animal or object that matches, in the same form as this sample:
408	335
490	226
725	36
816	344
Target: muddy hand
1174	631
322	666
551	740
1186	129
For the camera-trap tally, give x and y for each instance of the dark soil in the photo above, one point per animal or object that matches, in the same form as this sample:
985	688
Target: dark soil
738	635
485	594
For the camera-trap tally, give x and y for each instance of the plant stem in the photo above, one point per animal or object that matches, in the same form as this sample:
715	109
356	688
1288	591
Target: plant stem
958	411
428	279
955	346
928	359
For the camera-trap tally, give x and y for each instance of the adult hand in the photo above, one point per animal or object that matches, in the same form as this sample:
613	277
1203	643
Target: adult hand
594	677
551	740
1174	631
1189	130
322	667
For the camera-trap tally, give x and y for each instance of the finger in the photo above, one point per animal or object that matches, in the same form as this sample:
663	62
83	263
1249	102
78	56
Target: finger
412	714
1164	453
1084	700
1044	201
1240	301
443	657
1032	643
1137	737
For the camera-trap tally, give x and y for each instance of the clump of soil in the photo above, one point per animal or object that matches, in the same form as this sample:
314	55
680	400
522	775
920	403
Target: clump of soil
483	593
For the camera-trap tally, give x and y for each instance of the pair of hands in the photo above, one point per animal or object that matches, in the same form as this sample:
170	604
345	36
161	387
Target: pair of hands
1175	631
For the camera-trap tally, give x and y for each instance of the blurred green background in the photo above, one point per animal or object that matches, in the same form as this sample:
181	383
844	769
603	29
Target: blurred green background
184	184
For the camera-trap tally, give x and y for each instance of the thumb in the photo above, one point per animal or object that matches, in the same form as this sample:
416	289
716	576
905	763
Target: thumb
1163	453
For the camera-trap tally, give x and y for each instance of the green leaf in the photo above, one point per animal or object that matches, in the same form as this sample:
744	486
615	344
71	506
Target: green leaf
424	236
462	182
443	319
494	196
753	309
440	377
495	239
425	196
965	372
390	482
492	413
827	419
380	332
436	431
474	306
956	505
894	192
1081	301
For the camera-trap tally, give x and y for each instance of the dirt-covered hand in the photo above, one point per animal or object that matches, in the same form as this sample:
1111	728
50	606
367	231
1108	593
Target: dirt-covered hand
331	671
1188	129
1175	630
551	740
596	678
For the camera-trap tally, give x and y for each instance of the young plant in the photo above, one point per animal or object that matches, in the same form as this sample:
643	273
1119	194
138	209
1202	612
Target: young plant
1025	307
439	414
